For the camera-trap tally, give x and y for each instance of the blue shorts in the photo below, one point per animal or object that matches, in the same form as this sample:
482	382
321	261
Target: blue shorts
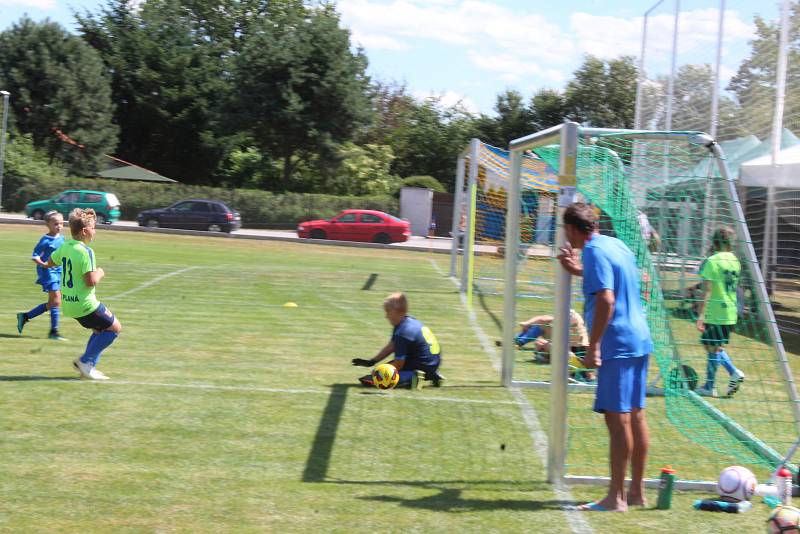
100	319
50	286
621	385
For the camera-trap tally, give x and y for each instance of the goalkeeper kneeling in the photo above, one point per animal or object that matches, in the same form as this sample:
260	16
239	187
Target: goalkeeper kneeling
417	354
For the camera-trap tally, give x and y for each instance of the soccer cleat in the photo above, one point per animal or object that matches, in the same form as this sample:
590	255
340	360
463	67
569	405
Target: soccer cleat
83	368
54	335
736	382
21	320
706	392
438	379
366	380
417	380
96	374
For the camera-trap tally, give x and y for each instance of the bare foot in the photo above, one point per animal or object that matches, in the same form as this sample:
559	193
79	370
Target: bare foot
636	500
604	505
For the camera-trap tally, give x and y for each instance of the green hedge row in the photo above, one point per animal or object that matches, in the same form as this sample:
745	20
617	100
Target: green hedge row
259	209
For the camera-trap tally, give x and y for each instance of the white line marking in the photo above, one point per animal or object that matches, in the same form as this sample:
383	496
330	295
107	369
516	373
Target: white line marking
155	280
575	520
256	389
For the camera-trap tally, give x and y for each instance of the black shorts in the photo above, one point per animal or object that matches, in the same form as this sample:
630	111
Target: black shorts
716	335
100	319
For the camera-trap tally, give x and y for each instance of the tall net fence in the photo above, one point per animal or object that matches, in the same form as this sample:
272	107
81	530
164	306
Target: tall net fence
683	86
664	198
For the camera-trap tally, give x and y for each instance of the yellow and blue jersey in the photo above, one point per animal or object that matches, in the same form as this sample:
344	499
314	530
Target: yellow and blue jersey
415	344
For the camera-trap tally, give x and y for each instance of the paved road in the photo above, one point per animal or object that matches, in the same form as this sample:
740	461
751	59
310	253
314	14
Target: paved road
437	244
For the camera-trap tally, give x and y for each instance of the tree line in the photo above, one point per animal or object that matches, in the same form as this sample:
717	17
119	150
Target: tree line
273	95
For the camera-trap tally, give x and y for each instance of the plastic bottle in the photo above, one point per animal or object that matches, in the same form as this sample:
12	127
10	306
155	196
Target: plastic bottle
665	488
710	505
784	483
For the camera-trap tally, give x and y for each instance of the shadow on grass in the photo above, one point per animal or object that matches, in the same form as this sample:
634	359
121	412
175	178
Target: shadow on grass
490	313
450	500
15	336
320	455
35	378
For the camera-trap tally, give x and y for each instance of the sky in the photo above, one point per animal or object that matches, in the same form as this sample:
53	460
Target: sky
469	51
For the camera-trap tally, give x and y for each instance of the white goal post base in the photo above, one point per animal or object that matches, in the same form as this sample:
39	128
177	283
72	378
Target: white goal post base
693	485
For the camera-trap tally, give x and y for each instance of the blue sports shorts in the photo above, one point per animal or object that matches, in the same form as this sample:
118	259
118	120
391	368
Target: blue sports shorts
100	319
621	385
51	286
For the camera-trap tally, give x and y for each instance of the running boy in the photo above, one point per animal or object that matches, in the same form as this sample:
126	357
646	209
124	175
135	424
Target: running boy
79	277
47	277
718	310
417	353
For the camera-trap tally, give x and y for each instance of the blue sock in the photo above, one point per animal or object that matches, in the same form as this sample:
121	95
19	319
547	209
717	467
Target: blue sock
531	334
711	370
726	362
96	345
55	313
37	311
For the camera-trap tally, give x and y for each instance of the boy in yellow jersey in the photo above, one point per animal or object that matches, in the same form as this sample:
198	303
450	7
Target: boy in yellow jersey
718	310
79	277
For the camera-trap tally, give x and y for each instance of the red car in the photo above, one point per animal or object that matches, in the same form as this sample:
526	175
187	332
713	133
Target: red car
358	225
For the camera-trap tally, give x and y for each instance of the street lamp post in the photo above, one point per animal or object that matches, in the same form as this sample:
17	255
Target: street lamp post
5	94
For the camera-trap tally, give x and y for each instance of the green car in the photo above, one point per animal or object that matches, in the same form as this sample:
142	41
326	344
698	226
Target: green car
105	205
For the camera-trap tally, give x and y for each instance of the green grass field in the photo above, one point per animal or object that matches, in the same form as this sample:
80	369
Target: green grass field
228	412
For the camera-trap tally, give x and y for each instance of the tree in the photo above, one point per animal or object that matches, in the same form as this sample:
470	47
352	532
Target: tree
62	96
548	108
299	89
512	119
603	94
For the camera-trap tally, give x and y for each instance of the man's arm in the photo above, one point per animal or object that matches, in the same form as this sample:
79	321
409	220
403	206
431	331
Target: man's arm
92	278
603	311
383	353
701	309
50	263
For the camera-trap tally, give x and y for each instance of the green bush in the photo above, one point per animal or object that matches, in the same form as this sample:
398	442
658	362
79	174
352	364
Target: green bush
427	182
259	209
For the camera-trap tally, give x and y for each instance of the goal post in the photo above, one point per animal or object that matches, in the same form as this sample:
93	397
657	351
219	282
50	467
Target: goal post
679	180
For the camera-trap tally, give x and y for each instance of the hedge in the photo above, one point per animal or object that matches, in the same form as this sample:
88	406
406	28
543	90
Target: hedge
259	209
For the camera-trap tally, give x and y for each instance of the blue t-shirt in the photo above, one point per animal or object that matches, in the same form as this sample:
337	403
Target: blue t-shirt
415	344
44	248
609	264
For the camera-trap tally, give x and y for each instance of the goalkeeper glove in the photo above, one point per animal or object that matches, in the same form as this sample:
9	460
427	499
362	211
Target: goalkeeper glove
362	362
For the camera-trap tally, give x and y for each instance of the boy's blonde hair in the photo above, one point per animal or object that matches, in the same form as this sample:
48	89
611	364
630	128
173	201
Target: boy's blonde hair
52	214
80	219
396	301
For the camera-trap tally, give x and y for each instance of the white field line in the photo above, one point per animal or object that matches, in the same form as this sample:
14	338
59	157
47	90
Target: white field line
255	389
149	283
576	520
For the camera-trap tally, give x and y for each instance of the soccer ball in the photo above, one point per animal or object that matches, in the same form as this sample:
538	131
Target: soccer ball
736	482
784	519
385	376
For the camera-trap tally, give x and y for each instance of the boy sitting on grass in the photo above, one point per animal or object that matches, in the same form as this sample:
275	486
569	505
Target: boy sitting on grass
417	354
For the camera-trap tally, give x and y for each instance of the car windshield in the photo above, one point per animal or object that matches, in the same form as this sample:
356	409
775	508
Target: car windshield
112	199
395	218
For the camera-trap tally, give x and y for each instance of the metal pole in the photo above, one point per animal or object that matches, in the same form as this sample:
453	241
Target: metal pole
458	201
472	181
557	438
671	85
512	249
715	88
637	121
3	129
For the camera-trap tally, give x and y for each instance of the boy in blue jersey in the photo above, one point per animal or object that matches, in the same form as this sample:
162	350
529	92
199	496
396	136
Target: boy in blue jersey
619	345
417	354
47	277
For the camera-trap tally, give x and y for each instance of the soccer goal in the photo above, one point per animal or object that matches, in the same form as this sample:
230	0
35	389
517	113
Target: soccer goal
479	217
678	182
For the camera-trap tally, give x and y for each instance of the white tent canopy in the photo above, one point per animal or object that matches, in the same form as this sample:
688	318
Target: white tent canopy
760	172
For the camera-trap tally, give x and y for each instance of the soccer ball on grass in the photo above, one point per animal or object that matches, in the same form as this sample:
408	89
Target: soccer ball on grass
737	483
385	376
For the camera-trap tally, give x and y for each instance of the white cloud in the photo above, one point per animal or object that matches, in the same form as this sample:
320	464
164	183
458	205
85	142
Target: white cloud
36	4
379	42
448	99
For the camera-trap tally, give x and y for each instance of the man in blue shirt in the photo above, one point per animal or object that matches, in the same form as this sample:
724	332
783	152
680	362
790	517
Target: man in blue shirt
619	345
417	353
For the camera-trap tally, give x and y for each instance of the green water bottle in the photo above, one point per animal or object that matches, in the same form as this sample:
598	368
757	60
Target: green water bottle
665	488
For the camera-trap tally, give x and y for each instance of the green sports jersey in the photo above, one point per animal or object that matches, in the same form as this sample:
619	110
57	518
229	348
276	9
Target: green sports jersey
76	259
722	270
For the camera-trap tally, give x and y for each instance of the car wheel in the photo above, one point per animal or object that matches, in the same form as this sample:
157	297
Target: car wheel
382	238
317	234
102	219
151	223
37	215
214	228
